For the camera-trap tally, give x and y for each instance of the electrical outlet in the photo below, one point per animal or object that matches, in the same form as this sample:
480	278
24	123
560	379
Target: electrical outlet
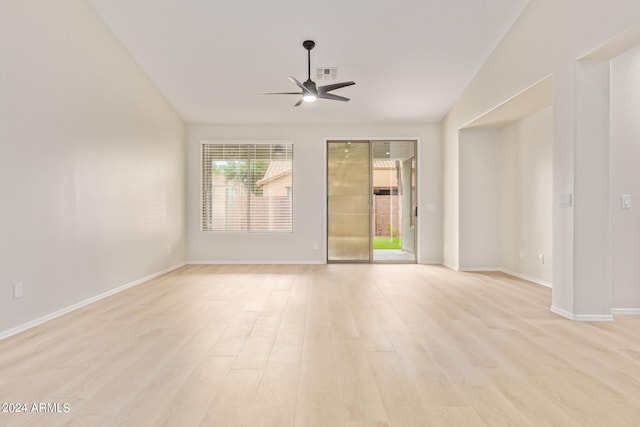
18	290
168	250
521	253
315	246
541	257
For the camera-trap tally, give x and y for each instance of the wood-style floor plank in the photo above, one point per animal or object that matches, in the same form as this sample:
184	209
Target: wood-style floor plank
324	345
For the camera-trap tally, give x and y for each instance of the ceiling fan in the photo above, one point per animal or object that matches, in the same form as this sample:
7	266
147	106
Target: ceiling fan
309	91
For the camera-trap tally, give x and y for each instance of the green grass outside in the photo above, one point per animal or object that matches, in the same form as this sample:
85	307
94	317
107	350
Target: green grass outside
387	243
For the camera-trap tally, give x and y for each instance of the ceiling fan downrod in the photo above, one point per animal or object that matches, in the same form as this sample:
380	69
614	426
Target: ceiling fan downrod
309	44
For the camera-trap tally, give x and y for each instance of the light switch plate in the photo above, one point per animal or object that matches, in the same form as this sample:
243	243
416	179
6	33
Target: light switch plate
566	200
18	290
625	201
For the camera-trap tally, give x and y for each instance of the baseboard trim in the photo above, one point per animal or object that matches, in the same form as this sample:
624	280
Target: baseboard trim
478	269
509	272
451	266
430	262
625	311
69	309
527	278
561	312
593	317
254	262
582	317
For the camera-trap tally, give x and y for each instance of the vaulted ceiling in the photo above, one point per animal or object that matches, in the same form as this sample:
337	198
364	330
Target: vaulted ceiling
410	59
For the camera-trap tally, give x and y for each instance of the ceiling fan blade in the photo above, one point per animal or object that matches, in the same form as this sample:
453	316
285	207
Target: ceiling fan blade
327	88
297	104
297	83
282	93
332	96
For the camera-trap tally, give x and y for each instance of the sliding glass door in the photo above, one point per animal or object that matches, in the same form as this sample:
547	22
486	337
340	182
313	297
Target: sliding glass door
371	201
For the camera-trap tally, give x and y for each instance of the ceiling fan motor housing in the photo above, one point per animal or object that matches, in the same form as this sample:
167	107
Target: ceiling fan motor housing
310	86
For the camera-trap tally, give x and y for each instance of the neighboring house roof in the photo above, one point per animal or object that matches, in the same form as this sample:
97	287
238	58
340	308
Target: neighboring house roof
276	169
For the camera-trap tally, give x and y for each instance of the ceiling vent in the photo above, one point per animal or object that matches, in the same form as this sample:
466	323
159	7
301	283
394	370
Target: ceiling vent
326	74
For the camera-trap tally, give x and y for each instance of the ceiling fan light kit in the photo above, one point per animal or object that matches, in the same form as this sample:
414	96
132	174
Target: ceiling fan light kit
309	97
310	92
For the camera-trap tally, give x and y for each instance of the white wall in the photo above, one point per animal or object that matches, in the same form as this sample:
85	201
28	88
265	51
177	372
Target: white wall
506	197
480	198
309	193
548	38
510	243
625	179
92	160
527	224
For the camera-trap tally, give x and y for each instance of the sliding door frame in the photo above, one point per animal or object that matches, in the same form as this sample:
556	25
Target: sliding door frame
371	140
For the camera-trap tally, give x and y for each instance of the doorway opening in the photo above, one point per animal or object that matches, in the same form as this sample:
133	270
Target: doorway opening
371	201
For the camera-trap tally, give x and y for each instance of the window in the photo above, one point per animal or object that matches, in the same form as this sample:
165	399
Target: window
247	187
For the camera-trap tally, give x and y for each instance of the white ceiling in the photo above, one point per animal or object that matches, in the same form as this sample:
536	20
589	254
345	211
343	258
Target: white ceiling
410	59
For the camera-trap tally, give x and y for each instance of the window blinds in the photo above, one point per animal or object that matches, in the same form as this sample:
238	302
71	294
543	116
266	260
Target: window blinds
247	187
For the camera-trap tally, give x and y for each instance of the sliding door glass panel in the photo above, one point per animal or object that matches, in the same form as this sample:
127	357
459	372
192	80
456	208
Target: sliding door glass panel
393	193
348	191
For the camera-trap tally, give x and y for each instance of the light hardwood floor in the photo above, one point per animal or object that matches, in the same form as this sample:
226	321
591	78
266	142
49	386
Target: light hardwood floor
325	345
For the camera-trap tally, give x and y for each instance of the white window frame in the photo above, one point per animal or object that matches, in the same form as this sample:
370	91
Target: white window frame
202	184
